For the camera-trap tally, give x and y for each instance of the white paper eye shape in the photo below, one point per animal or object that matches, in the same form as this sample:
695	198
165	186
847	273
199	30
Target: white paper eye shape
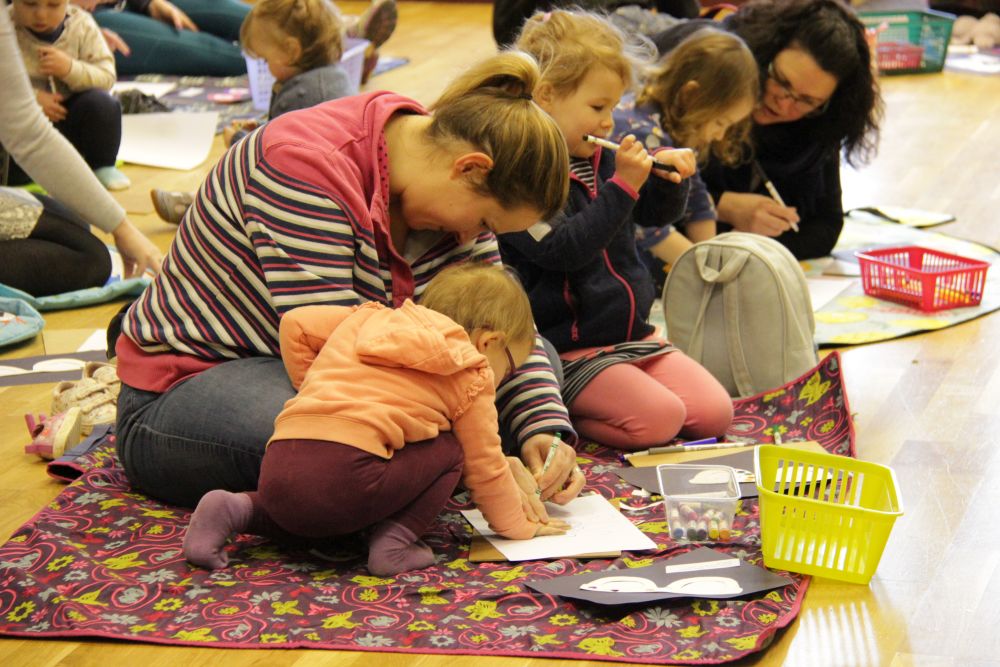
58	365
621	584
11	370
704	586
693	586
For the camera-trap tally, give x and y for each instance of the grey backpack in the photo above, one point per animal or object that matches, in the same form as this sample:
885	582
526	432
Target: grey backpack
739	305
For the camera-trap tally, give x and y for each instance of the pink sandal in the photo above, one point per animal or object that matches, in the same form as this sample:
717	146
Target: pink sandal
52	436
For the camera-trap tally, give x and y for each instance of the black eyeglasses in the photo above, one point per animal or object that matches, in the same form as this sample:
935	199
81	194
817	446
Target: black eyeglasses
804	103
511	367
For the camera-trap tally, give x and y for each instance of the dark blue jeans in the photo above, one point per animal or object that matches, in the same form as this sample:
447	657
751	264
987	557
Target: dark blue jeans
206	433
159	48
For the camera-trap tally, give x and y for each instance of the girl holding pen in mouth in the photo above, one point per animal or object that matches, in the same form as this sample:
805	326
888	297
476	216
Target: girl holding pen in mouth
624	386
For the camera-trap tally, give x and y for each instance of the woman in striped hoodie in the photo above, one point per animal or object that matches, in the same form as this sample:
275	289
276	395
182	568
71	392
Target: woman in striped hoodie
360	199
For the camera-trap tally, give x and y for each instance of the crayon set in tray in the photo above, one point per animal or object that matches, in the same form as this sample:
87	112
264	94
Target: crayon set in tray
699	500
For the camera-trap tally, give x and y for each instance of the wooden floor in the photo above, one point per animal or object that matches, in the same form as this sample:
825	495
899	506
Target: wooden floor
928	405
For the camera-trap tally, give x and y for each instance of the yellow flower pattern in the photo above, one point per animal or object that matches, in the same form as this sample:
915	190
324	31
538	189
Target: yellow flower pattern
743	643
199	635
600	646
123	562
482	609
21	611
815	389
290	607
340	621
510	574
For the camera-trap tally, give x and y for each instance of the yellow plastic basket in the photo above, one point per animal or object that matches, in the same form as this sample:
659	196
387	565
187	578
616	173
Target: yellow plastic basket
824	515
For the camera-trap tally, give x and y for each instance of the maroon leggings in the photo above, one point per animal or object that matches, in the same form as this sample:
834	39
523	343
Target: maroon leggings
319	489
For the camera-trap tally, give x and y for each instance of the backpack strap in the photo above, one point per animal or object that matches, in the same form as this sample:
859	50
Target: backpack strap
712	274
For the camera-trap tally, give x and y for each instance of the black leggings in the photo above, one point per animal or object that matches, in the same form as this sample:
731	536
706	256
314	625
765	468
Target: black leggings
93	124
59	255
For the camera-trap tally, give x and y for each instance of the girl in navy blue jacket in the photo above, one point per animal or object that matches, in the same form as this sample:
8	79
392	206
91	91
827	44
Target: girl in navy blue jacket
590	294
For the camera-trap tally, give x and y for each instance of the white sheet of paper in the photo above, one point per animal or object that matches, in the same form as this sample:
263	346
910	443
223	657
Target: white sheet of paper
824	290
172	140
595	527
145	87
95	341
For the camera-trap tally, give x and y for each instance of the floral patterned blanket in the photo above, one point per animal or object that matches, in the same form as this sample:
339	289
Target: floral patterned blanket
102	561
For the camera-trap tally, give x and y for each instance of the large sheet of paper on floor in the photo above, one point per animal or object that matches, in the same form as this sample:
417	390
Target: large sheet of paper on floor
595	526
172	140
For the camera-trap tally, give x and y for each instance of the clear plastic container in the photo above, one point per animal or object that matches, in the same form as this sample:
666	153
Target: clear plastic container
699	501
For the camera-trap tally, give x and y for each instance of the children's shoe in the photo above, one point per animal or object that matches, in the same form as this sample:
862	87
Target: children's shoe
106	374
377	23
95	399
171	206
52	436
112	178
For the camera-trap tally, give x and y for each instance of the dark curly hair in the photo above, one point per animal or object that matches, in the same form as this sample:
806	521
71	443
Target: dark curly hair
830	32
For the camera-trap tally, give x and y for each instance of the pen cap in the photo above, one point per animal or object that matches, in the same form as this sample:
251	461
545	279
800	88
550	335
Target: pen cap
699	500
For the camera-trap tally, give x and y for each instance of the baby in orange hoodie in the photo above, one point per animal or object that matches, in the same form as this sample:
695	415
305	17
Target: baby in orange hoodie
391	404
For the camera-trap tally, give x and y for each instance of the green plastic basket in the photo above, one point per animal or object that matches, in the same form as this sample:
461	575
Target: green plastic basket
909	42
824	515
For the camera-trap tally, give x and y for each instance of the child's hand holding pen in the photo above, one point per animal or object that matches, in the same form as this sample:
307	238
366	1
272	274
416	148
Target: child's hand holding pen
53	61
562	480
632	162
683	161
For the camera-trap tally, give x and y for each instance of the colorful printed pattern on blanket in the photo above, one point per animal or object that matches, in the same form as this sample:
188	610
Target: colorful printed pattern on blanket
104	561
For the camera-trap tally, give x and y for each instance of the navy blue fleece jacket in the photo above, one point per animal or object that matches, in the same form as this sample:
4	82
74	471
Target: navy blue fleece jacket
587	285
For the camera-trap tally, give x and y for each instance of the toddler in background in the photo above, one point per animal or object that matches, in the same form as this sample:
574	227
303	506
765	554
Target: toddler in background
591	295
390	404
698	96
302	42
72	71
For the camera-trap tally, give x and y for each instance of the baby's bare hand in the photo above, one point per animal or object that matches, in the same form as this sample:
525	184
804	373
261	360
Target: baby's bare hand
553	527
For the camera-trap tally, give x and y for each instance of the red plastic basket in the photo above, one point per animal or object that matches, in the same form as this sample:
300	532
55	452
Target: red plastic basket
922	278
899	56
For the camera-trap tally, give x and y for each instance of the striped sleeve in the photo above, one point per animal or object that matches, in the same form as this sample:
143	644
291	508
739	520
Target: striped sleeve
254	245
530	402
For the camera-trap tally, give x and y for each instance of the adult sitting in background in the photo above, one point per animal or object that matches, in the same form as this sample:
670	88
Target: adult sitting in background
189	37
46	248
201	37
819	99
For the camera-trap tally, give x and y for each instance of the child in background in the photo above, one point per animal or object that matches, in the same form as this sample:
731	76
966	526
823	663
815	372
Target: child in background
389	405
72	71
699	96
624	386
302	42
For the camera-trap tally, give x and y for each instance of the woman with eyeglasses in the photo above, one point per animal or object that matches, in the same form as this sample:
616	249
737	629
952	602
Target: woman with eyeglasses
819	98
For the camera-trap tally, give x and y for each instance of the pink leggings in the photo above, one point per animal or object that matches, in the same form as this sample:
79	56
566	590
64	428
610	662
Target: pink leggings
651	401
